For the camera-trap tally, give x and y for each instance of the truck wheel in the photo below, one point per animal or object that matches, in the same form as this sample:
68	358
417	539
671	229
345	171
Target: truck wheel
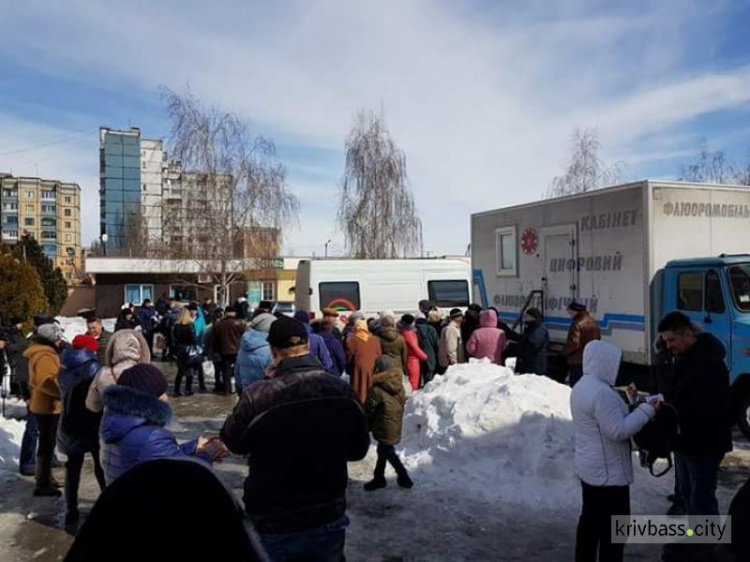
743	419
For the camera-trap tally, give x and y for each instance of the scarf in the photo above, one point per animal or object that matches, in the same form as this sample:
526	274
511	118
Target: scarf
361	332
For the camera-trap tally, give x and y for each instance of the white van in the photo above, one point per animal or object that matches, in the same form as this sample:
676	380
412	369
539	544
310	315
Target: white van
372	286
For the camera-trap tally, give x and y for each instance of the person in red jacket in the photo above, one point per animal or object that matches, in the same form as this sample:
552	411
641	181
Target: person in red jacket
488	341
414	353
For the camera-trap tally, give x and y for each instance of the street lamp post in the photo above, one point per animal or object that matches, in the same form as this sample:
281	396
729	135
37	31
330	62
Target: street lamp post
326	254
105	237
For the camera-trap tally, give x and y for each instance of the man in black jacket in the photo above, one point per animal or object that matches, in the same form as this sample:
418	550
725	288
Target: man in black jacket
699	391
532	348
299	427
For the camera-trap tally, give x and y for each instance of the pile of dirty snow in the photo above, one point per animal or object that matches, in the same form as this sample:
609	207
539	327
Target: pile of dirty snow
11	432
483	429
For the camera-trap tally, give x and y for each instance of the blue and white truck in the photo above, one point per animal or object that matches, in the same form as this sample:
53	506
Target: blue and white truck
632	253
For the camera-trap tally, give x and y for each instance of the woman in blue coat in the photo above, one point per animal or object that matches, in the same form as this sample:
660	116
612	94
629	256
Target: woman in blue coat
133	425
78	433
252	360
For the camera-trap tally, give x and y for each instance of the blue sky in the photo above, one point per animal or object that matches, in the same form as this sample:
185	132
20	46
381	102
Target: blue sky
481	95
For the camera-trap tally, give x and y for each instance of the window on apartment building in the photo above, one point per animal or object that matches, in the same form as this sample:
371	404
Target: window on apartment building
143	165
183	293
29	208
29	195
48	195
49	221
136	293
68	224
13	219
28	221
10	206
68	200
269	290
68	213
68	237
49	235
10	234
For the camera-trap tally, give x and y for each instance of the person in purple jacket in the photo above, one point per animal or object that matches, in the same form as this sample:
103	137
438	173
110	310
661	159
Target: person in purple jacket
318	347
132	428
333	344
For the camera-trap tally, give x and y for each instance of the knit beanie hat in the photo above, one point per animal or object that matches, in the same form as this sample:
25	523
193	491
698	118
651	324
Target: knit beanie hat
287	332
456	313
383	363
302	316
534	313
407	320
85	341
50	332
144	377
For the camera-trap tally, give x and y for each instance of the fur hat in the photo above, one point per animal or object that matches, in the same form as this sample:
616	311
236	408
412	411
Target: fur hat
577	306
332	312
50	332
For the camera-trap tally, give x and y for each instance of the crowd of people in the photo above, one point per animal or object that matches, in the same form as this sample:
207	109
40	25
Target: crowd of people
311	391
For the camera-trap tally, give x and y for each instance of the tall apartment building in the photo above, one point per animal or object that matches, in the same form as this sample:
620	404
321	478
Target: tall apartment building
49	210
131	182
150	206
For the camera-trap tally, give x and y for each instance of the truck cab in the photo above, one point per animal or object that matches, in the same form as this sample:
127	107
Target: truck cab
715	294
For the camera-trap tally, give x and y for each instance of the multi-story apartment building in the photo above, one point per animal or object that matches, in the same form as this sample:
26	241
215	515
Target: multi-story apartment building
151	207
49	210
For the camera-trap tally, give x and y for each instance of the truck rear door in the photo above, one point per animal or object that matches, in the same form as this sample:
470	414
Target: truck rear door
699	294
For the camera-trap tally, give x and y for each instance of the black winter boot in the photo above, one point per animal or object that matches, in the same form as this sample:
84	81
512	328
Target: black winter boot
44	487
375	484
177	381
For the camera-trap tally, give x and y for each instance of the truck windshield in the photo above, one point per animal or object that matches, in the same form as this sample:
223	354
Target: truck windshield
739	279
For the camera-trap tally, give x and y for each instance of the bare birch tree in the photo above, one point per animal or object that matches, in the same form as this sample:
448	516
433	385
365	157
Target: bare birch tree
235	201
377	211
586	170
715	167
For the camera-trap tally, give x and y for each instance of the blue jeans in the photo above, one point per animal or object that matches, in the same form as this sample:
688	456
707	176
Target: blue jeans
697	482
319	544
27	457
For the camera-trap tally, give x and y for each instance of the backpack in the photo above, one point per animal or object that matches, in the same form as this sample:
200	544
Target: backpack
658	439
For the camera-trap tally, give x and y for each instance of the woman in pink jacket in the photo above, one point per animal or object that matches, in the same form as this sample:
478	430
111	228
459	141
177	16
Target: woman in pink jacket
488	341
414	353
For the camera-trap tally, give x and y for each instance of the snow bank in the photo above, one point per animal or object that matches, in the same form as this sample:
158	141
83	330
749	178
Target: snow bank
483	429
11	432
76	325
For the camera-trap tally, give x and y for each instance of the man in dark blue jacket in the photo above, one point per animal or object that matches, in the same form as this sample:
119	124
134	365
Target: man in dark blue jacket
533	343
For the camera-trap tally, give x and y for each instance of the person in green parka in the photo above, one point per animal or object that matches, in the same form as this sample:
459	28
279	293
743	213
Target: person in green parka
385	411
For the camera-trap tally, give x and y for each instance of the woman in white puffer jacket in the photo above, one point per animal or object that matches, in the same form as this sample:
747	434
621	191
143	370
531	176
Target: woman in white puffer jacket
603	426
